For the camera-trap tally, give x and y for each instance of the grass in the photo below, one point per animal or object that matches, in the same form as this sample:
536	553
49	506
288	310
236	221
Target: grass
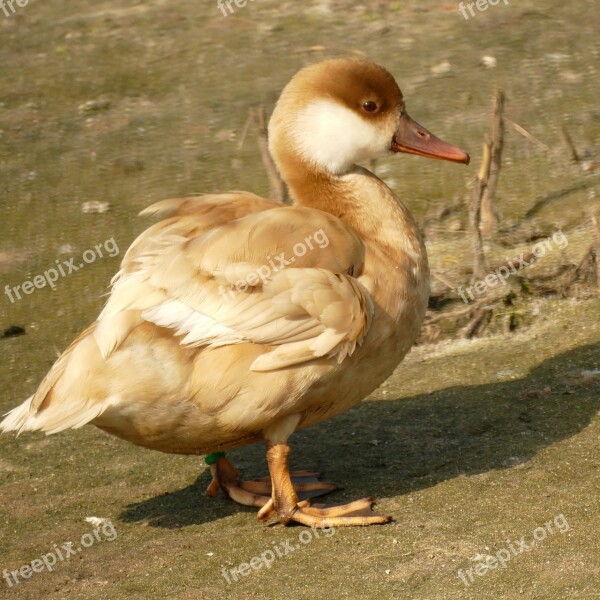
468	445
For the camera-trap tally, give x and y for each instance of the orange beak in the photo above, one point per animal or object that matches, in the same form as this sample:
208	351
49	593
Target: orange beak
412	138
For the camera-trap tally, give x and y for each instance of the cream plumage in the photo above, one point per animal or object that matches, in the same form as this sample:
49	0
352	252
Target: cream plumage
235	318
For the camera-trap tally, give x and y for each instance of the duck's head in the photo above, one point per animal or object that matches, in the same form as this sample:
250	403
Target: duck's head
341	112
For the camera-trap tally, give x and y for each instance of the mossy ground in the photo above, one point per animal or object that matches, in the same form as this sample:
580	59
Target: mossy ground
468	445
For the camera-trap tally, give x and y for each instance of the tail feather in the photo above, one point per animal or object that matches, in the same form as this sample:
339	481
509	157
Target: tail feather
56	372
59	421
15	419
60	401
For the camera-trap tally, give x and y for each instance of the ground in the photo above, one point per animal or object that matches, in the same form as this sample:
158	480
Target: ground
470	445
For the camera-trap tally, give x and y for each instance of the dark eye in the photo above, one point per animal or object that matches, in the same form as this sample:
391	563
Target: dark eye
369	106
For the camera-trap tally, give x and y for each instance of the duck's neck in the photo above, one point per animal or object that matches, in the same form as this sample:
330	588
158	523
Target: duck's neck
363	202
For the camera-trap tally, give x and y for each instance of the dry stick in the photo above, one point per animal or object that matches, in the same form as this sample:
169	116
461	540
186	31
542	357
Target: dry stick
569	143
596	225
590	260
245	130
479	268
278	189
574	274
489	219
454	314
471	327
485	302
443	279
528	257
528	135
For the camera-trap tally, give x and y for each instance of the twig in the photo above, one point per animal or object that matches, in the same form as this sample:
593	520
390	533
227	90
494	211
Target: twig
528	135
484	302
529	258
278	189
569	143
486	162
583	265
596	225
245	130
489	218
443	279
479	186
474	323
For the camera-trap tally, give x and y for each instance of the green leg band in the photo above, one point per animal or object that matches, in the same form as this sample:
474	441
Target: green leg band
211	459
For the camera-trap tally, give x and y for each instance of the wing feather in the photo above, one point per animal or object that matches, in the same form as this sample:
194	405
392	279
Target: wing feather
275	276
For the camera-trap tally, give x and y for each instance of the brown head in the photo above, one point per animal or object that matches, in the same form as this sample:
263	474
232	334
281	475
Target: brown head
337	113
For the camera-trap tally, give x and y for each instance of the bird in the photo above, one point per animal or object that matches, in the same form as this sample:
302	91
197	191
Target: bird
237	319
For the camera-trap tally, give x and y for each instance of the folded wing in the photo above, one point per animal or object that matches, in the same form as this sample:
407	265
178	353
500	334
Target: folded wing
282	277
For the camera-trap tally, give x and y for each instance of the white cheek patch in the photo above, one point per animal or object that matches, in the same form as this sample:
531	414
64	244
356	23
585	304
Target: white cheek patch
336	138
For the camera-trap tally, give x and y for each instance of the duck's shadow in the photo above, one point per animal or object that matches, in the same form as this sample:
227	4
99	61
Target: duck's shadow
389	448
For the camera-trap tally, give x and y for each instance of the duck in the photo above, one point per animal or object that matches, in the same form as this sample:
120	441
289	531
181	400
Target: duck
236	319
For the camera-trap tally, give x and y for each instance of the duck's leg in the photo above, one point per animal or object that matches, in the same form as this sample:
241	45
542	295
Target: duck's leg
258	493
288	507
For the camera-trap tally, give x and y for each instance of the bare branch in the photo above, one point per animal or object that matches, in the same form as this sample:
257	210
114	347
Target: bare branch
479	268
489	218
569	143
277	185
